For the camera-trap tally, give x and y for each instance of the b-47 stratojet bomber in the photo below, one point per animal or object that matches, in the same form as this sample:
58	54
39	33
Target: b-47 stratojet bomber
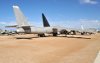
24	27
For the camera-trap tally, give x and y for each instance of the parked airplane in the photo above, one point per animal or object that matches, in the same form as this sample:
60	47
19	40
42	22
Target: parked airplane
7	32
24	27
61	30
89	31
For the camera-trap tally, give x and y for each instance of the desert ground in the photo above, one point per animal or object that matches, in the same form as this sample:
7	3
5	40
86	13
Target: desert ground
70	49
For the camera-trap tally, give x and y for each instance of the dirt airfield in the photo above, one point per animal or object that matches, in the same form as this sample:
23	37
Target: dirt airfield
71	49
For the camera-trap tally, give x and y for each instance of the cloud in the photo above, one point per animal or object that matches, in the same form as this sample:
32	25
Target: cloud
90	23
86	23
2	23
89	1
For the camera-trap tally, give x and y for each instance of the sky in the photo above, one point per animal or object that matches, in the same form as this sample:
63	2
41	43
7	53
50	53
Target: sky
64	13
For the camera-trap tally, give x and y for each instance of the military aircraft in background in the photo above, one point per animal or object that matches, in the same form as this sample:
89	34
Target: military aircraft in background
87	31
7	32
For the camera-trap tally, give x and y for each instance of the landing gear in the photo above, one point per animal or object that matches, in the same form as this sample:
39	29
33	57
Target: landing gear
41	35
86	33
82	33
64	32
73	32
55	32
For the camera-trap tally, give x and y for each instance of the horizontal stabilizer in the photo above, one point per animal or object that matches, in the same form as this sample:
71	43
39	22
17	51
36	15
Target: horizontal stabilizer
12	26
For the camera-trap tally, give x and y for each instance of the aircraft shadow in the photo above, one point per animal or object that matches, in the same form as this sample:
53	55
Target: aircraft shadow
52	36
70	37
26	37
77	37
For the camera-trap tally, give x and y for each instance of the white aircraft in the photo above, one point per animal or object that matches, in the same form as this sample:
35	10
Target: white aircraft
24	27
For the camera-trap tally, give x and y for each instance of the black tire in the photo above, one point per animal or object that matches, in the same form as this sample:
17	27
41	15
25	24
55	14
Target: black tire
82	33
74	33
41	35
54	34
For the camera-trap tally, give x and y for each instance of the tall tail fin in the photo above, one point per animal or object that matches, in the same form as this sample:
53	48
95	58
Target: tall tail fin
45	21
20	18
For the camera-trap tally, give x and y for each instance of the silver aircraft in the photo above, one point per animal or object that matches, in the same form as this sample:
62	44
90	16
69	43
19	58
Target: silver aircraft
23	26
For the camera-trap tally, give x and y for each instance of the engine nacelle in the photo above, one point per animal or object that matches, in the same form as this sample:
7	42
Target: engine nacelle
20	30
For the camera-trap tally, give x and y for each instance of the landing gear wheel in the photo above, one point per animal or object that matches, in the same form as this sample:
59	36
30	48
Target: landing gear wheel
41	35
54	34
82	33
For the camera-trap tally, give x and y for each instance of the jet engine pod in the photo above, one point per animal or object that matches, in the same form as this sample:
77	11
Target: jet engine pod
27	29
